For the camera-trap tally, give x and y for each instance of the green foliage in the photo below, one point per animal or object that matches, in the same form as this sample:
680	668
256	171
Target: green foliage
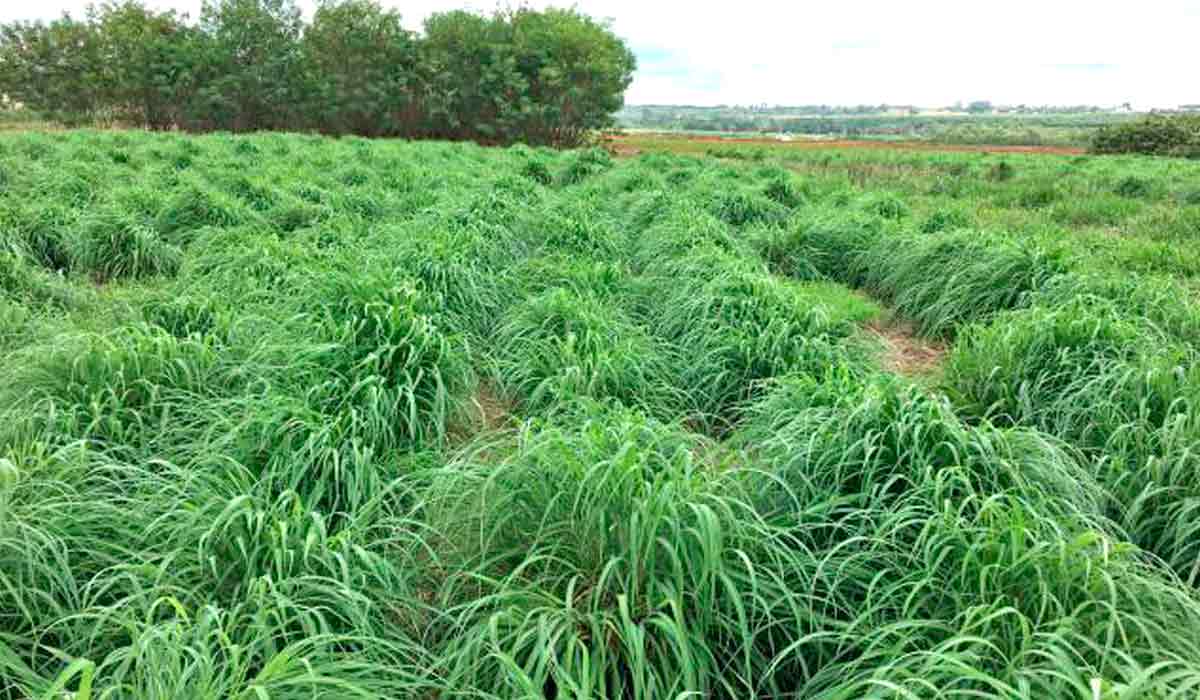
822	242
885	205
741	327
114	246
1111	385
1158	135
252	63
545	77
548	77
1133	187
583	164
1043	125
149	68
297	417
946	219
62	84
367	74
1002	171
944	280
740	208
783	190
1037	195
563	344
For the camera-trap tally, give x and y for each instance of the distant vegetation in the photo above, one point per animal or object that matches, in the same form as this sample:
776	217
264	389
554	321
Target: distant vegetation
1160	135
542	77
973	124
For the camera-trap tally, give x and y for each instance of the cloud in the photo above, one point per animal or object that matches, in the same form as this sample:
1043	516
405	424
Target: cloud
931	52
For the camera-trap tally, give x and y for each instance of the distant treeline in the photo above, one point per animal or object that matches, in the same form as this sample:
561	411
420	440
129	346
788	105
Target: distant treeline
1054	129
543	77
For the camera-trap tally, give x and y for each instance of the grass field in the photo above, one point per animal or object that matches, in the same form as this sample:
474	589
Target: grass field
291	417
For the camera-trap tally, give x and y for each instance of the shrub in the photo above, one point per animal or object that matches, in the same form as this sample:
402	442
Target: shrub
1133	187
1159	135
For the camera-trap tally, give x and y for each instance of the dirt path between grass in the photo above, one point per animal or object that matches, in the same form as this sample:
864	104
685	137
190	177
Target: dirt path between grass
904	351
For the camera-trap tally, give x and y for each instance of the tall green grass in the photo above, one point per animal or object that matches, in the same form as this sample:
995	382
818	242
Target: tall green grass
962	560
1114	387
291	417
949	279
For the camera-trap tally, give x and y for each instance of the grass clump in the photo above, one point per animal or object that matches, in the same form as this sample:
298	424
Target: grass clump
741	208
386	366
946	280
741	327
583	165
908	504
563	344
885	205
114	246
946	219
1109	385
596	551
822	243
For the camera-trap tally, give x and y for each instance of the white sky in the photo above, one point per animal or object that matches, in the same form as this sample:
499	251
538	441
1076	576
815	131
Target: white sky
925	52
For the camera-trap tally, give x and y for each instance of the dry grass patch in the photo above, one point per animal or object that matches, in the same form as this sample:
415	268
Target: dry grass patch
904	351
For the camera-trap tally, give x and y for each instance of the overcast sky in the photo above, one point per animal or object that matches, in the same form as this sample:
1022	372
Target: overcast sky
925	52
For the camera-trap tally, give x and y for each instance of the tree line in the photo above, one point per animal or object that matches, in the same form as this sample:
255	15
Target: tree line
543	77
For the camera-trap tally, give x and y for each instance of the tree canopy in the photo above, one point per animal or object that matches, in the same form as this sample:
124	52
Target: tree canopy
543	77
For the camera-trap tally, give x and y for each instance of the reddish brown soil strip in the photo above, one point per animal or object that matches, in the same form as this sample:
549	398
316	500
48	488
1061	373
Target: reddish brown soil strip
905	352
625	143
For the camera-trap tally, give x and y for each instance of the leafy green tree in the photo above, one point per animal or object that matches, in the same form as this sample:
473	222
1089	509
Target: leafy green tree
250	64
473	77
576	72
545	77
148	62
364	69
53	68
